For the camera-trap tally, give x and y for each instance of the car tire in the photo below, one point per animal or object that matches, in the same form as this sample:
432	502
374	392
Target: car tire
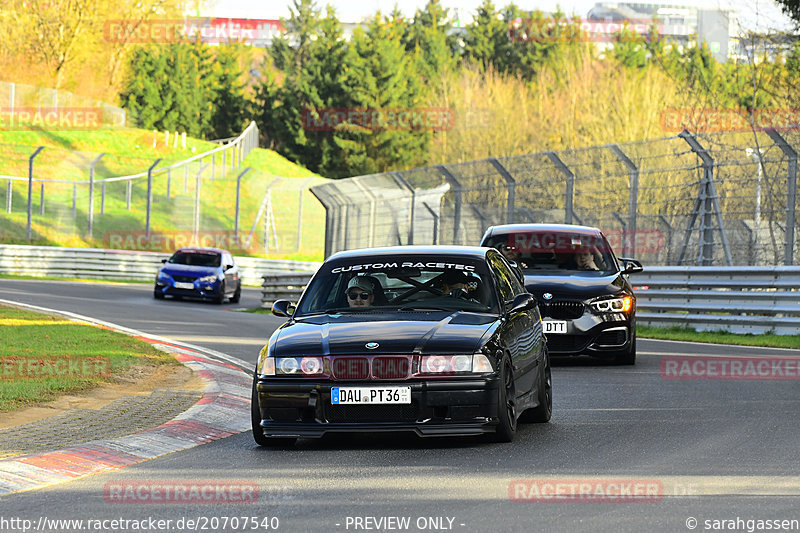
627	357
544	410
255	421
237	295
221	296
506	406
158	295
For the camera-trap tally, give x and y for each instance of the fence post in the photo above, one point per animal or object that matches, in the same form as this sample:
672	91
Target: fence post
213	165
222	170
30	189
457	213
435	222
633	200
371	225
41	198
570	188
149	198
169	179
398	177
512	185
9	191
238	192
300	213
128	187
791	195
196	212
707	201
91	191
330	203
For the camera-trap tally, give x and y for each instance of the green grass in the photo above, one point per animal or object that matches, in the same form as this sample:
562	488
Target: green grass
43	348
676	333
130	151
86	280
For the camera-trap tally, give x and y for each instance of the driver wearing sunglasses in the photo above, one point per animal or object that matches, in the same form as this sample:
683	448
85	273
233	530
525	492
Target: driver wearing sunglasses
360	292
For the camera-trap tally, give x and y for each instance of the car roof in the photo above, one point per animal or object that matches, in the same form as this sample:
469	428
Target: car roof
513	228
201	250
476	252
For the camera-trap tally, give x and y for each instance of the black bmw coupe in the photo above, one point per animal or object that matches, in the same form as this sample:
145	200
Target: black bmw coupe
434	340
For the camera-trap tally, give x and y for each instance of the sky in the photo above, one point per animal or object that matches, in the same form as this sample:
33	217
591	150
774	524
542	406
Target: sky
758	15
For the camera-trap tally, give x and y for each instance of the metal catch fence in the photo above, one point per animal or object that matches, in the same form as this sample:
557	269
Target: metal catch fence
713	199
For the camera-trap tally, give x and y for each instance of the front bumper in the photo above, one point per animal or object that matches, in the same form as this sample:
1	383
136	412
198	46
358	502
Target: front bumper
200	290
594	335
302	408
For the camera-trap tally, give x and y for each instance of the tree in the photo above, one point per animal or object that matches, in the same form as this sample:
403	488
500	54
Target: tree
65	39
791	8
383	79
312	58
487	37
183	87
427	37
229	102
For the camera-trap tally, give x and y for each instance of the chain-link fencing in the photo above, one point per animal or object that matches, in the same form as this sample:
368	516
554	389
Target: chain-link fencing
28	106
715	199
78	198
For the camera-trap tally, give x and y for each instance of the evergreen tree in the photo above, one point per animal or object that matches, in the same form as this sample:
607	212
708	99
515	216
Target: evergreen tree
427	37
229	103
182	87
383	80
487	37
312	57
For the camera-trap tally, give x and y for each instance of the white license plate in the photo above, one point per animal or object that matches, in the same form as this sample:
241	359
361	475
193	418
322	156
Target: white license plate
370	395
555	326
182	285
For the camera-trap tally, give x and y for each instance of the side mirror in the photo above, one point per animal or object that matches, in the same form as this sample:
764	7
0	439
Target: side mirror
630	266
228	267
283	308
164	260
523	302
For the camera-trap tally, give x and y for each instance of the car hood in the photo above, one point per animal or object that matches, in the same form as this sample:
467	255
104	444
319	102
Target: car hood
188	270
424	333
577	285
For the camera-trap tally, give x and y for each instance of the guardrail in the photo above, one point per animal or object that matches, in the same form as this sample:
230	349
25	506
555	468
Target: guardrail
278	286
736	299
99	263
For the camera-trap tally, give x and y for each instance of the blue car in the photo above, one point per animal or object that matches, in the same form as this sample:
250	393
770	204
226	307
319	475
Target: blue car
199	272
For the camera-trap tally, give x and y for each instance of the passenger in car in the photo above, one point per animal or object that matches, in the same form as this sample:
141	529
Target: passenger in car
585	261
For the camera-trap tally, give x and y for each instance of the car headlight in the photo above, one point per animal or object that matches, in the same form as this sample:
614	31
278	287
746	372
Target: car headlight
454	364
623	304
163	277
297	366
208	279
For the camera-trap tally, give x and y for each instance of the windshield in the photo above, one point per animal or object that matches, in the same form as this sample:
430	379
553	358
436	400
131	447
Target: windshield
386	284
195	259
557	252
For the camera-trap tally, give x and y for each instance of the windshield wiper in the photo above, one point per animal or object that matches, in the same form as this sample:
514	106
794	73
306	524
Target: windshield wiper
422	308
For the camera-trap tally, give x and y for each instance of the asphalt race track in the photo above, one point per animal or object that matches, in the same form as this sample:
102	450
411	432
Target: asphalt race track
626	450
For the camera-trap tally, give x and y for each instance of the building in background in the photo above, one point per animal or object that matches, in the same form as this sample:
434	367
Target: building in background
682	23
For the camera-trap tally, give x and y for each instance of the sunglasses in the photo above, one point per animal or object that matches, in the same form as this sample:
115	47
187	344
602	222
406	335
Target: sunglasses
357	295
